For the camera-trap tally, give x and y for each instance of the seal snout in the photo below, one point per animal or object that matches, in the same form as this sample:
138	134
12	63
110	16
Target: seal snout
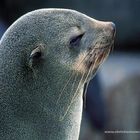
108	28
99	51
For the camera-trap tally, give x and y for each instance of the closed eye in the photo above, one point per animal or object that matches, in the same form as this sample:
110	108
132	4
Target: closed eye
75	41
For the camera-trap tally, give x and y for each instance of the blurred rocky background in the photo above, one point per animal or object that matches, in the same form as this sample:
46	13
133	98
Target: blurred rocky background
113	97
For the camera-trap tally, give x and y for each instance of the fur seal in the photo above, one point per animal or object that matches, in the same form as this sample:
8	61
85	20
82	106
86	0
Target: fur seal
46	57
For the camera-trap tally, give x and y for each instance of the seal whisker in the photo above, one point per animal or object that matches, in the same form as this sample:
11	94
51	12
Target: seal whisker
84	94
89	72
91	69
69	80
75	95
62	118
74	82
112	46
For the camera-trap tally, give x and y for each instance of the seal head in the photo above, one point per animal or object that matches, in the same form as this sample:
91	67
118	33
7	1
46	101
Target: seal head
46	58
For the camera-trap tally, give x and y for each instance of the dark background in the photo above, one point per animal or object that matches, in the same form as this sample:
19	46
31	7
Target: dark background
124	13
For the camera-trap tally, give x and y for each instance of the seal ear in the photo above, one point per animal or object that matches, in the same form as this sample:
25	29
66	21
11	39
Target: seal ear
36	55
